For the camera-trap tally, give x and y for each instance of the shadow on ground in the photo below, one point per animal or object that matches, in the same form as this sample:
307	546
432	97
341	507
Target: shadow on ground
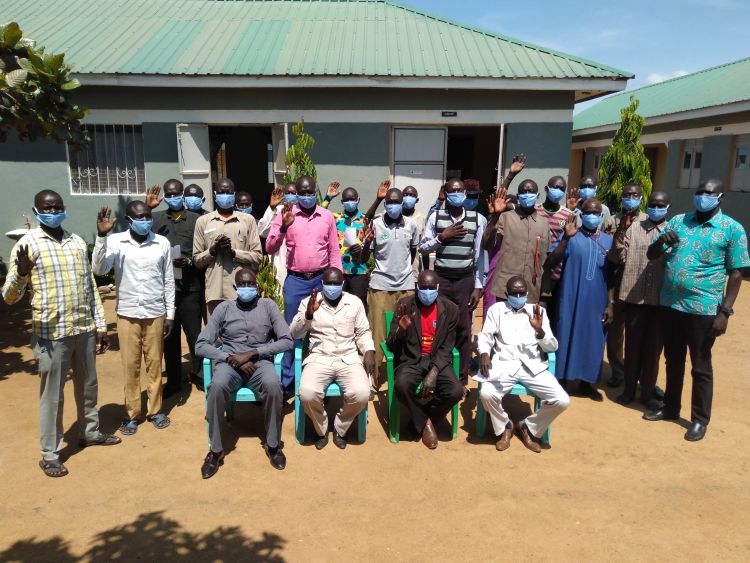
153	537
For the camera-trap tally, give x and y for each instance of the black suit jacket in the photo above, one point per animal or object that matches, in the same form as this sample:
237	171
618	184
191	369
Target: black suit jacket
408	348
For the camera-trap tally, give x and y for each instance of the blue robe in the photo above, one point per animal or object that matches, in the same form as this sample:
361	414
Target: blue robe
582	299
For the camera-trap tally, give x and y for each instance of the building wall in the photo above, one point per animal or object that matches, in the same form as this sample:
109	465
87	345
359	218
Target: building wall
547	150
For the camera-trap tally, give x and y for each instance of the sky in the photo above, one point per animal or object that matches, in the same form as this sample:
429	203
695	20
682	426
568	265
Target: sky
653	39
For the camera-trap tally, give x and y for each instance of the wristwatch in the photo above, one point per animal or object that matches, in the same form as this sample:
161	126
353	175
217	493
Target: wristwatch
728	311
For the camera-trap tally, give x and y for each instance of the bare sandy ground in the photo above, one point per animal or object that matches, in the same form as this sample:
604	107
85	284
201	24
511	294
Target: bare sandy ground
612	487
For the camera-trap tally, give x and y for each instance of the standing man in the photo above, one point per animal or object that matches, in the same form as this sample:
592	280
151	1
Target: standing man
252	332
243	202
393	239
68	327
587	190
411	197
177	225
705	250
194	199
455	234
278	197
224	242
350	226
339	332
640	285
312	245
145	304
421	338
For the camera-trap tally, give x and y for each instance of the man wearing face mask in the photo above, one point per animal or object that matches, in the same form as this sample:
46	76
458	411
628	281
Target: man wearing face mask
278	198
640	285
422	335
524	238
411	197
194	199
393	239
312	244
337	326
243	202
705	250
225	241
177	225
252	331
144	277
68	327
585	301
511	345
585	191
350	226
455	235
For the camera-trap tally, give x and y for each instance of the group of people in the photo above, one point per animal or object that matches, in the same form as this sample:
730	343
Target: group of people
561	275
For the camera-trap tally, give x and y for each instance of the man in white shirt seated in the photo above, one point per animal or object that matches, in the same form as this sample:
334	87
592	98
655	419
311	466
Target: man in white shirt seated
511	344
338	328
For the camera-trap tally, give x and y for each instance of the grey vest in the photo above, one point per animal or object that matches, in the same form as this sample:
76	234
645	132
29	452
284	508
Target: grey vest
456	256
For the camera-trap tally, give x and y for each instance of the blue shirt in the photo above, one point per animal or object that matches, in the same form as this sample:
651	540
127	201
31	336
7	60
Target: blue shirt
695	269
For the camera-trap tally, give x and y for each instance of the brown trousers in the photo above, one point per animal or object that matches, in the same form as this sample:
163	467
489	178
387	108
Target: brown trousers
141	343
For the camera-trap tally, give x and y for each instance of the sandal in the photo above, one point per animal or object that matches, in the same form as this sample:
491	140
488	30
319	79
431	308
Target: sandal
129	427
160	421
53	468
102	440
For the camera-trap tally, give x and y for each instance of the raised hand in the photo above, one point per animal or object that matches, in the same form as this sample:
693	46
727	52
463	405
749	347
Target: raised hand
152	196
24	262
574	198
313	304
535	319
287	215
333	189
277	196
517	164
570	226
405	320
104	221
502	201
491	201
383	188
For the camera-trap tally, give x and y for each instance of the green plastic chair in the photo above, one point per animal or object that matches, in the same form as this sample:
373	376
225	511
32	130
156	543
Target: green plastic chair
394	405
518	389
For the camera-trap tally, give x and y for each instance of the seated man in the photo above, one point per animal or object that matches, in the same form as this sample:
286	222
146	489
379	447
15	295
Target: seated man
252	332
422	337
510	345
337	326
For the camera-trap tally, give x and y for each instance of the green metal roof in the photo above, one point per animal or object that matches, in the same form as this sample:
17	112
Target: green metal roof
720	85
282	38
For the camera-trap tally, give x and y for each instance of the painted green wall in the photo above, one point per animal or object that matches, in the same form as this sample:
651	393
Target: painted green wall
160	152
547	150
715	158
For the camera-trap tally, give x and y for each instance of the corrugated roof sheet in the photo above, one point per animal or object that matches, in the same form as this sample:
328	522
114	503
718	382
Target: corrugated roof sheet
720	85
282	38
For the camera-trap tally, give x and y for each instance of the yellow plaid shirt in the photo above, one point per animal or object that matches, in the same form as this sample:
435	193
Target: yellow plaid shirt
64	299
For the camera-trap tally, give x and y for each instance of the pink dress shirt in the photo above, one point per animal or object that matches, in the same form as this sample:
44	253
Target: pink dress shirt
312	242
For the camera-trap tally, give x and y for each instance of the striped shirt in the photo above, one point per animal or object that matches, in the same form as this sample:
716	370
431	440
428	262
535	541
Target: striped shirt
64	299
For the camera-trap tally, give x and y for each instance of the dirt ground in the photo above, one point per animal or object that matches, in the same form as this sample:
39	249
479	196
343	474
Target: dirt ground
612	486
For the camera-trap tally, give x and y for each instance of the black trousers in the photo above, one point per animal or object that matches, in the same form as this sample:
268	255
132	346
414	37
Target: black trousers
616	339
459	292
448	391
357	284
644	341
187	317
685	332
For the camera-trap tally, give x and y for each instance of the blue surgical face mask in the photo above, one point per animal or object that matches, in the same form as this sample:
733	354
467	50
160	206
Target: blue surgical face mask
517	302
393	210
225	201
456	199
307	201
193	202
351	206
409	201
427	296
248	209
290	198
471	203
175	202
587	193
527	199
247	294
704	202
591	221
631	203
555	195
51	220
141	226
657	214
332	292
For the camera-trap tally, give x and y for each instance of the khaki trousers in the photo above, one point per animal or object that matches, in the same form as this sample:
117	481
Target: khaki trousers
378	303
141	339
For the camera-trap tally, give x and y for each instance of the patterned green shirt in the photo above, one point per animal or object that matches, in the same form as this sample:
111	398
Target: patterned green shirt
343	222
695	270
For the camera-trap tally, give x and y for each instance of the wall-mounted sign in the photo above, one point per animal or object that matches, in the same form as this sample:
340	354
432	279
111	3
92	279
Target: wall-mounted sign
450	113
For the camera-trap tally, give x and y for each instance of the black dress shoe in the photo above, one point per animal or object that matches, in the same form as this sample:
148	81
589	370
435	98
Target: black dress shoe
660	414
625	398
658	393
696	432
338	441
276	457
211	464
321	442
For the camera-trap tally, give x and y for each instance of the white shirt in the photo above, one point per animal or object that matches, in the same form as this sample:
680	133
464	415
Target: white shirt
508	337
278	258
143	273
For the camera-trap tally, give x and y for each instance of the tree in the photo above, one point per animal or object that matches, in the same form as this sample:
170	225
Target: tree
268	282
298	161
35	92
625	162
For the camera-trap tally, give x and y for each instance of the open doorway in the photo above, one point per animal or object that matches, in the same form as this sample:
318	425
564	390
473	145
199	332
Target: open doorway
473	153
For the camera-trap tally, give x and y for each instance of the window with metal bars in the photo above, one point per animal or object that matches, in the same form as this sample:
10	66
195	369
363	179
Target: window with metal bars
112	164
